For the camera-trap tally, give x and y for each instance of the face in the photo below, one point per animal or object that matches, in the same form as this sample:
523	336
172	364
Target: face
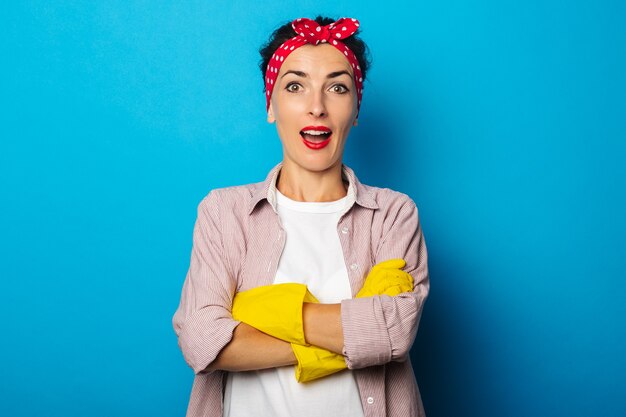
314	105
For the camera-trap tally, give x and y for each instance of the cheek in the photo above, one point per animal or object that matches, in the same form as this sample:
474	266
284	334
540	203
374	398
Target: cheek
348	119
285	110
285	123
287	128
346	109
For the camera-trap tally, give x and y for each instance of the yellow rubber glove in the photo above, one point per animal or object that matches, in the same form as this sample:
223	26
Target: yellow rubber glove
387	278
274	309
316	362
384	278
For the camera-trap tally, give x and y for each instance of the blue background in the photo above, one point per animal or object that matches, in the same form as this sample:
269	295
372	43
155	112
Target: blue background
505	121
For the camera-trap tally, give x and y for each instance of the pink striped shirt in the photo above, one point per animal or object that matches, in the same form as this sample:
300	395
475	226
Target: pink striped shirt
237	243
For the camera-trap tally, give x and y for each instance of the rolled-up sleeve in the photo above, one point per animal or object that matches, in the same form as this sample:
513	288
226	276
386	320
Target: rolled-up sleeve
203	320
380	329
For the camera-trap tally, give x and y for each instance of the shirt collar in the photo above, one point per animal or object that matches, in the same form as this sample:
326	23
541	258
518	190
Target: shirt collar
357	193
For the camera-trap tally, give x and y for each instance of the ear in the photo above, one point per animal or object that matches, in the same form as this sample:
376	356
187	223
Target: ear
356	122
270	114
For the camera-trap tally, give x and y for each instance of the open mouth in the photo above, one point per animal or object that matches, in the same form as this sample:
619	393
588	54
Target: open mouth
316	137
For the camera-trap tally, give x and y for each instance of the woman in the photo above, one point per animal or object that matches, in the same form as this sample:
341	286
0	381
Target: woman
313	224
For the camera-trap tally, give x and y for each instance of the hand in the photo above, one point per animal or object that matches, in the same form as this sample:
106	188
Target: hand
387	278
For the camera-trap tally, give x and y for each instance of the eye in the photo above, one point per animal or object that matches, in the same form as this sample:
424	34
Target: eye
340	88
293	87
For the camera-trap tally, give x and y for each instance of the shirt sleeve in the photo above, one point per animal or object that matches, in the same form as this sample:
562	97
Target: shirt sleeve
380	329
203	320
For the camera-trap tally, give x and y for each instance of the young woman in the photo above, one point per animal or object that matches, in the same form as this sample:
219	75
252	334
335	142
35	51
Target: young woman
311	223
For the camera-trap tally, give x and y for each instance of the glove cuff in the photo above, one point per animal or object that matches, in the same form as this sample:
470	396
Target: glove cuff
275	310
315	362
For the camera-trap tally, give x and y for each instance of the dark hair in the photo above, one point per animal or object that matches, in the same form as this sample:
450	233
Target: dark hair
285	32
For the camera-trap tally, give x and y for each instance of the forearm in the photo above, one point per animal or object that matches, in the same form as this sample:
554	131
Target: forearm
322	326
251	349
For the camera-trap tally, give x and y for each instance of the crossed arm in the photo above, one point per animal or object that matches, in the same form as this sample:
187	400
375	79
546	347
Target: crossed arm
211	340
251	349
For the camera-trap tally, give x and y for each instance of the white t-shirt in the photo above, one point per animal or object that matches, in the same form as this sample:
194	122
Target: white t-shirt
313	256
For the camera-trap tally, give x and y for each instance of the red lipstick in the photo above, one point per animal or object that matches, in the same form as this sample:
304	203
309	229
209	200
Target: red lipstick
316	143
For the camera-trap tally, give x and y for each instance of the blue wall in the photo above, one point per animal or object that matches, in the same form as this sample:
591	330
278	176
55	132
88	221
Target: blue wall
504	121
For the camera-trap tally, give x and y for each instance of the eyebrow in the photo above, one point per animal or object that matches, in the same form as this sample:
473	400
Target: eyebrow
305	75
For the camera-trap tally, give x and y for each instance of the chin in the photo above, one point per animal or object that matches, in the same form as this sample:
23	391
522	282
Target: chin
317	164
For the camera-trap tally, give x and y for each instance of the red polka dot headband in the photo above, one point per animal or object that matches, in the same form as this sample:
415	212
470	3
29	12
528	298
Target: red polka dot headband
309	31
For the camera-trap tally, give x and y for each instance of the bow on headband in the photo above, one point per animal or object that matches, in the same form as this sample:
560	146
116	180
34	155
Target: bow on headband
309	31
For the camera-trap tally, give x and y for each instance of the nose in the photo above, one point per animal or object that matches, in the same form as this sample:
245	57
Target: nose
317	107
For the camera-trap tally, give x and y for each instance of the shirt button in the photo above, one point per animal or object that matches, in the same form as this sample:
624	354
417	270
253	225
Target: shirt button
370	400
353	266
344	230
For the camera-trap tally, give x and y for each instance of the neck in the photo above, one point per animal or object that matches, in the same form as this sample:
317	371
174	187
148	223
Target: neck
300	184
